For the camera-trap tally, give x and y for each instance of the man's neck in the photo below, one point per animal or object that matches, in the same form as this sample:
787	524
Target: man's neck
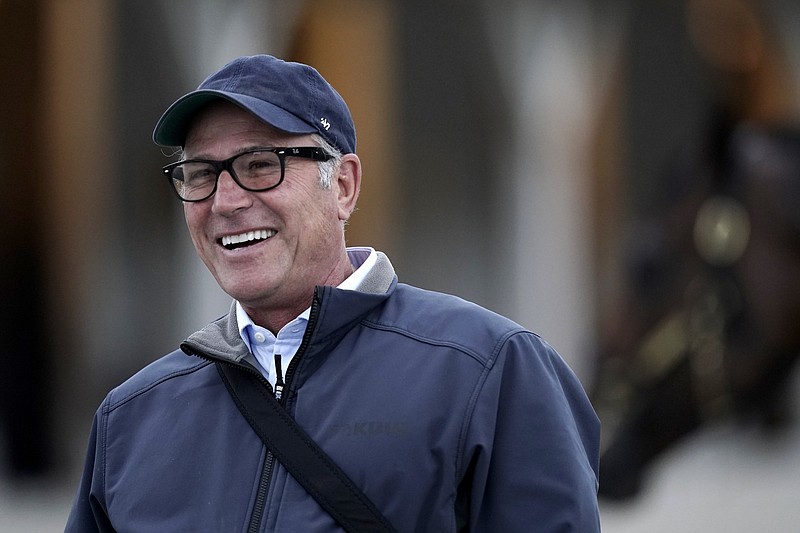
274	318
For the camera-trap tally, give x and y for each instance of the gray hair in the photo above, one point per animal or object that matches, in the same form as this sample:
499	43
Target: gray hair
328	168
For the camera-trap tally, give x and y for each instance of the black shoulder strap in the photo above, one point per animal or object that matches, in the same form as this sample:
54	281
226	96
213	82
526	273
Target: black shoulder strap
300	455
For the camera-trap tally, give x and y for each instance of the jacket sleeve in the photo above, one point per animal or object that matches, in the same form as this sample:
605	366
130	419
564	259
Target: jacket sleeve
532	448
88	514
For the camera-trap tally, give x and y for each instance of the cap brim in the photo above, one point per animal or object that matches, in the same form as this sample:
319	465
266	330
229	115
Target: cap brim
173	125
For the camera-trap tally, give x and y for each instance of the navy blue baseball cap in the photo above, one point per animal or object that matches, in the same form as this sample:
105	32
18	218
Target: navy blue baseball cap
291	97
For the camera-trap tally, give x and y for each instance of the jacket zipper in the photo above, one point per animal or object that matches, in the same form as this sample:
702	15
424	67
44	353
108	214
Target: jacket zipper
261	495
312	324
279	384
269	461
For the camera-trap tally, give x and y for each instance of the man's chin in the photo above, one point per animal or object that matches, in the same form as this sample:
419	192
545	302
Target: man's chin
243	290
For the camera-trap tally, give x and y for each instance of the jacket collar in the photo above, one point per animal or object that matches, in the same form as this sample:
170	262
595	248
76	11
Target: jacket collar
221	339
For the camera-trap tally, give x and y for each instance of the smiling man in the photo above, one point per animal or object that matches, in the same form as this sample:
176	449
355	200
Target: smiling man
267	249
446	416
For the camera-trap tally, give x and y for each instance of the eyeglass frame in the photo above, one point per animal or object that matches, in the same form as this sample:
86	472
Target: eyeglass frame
314	153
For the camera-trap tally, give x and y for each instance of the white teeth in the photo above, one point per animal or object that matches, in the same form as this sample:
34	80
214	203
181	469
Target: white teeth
256	235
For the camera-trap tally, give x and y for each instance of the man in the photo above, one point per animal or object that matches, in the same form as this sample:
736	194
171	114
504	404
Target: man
447	416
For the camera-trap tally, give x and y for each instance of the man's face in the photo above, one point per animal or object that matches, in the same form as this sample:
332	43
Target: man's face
302	221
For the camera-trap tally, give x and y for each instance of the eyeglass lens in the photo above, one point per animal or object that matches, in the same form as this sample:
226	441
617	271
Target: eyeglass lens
196	180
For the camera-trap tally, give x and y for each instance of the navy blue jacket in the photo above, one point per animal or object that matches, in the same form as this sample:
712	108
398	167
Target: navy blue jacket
448	416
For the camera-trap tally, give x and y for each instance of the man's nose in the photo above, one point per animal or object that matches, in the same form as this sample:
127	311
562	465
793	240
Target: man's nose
230	197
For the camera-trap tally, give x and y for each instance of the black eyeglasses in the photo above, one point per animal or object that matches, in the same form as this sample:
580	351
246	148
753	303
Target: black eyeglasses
195	180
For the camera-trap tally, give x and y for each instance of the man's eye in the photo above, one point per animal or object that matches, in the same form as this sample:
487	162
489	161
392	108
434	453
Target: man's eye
198	176
257	163
263	163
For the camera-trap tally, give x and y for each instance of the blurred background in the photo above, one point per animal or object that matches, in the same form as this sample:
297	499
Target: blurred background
620	176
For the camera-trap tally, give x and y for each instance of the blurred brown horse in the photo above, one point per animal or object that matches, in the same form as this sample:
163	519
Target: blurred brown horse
709	325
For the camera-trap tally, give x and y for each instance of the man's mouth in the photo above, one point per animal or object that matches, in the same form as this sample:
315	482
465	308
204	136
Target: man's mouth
232	242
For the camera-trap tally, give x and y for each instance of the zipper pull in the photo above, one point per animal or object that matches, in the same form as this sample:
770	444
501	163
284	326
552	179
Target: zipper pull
279	384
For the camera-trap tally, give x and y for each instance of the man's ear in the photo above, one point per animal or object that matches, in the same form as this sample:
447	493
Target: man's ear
348	183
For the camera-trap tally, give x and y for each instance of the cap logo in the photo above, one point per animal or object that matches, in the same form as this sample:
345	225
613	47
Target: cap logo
325	123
